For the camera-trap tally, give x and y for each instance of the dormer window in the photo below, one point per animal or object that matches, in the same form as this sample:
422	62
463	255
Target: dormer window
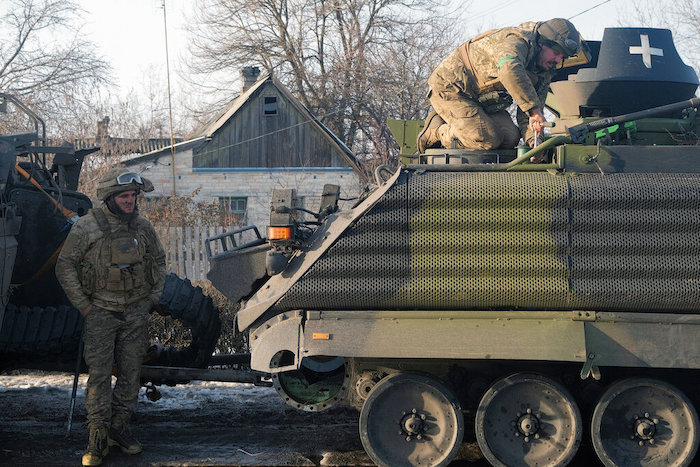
270	105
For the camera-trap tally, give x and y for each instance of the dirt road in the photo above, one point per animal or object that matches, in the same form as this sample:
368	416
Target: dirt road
193	424
200	423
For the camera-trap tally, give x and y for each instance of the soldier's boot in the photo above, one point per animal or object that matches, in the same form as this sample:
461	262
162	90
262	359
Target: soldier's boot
428	137
97	447
120	435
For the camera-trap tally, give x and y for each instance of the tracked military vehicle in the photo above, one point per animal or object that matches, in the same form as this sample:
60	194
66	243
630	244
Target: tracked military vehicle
39	328
548	305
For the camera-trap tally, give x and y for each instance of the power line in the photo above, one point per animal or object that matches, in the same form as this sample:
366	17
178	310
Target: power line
589	9
499	6
480	14
264	135
484	13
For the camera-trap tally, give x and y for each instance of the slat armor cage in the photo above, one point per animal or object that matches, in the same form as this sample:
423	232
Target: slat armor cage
508	241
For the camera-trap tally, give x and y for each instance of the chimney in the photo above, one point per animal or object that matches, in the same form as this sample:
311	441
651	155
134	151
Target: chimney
103	129
249	75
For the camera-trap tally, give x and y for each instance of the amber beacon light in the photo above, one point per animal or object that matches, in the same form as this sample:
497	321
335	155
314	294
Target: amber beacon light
279	233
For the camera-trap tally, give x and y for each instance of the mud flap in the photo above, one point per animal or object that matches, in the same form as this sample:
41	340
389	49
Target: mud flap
279	334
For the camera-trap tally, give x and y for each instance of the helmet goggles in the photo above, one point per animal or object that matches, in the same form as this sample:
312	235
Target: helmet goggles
129	177
570	49
559	34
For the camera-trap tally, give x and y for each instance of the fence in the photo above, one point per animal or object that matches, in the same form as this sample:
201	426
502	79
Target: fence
186	255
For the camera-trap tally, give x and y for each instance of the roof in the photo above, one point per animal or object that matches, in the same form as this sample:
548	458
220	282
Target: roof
183	146
240	101
235	106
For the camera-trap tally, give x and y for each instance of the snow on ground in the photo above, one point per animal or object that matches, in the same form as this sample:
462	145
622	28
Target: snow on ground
198	423
187	396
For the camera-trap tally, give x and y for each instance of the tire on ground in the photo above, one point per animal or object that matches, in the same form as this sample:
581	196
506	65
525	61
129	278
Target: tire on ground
31	332
48	337
188	304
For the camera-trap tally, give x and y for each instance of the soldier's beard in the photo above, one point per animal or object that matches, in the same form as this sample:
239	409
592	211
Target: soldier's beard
120	213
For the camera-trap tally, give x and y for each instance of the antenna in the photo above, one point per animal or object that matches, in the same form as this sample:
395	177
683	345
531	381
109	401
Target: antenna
170	107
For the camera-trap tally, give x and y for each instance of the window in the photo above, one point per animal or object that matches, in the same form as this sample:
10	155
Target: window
270	105
237	206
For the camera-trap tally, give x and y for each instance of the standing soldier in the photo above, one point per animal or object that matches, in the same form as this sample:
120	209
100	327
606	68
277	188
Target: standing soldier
472	88
112	268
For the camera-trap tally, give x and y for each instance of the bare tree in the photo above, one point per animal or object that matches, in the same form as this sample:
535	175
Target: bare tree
351	62
682	17
45	61
686	15
396	88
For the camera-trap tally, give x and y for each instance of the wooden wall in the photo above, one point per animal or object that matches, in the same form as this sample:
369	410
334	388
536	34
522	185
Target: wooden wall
252	139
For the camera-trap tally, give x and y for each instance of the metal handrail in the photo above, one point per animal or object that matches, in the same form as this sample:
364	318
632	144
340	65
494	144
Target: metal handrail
555	141
229	234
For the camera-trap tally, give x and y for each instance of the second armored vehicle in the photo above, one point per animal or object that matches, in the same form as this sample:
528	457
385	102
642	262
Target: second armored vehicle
39	328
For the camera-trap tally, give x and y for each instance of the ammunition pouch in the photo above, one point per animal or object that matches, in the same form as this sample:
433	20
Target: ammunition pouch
122	278
119	267
495	101
88	278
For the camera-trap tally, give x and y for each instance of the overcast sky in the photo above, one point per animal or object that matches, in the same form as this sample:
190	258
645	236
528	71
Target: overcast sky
131	36
130	33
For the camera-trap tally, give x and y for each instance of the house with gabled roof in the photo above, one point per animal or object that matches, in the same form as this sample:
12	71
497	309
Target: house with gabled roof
265	139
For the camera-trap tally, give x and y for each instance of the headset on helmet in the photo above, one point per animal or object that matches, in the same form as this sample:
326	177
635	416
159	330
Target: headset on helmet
559	33
119	179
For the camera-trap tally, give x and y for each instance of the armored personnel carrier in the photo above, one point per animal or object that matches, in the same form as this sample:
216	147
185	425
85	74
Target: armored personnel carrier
39	328
548	305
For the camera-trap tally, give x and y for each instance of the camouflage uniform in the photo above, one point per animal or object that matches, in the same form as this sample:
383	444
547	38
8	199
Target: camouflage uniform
472	88
116	326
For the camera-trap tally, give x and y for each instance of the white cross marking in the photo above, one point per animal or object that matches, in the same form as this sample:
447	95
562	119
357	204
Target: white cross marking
645	50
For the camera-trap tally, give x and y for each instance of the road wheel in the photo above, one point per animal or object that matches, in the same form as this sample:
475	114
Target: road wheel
644	422
527	419
411	419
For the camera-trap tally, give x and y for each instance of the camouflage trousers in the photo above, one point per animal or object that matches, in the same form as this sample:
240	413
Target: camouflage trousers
467	121
120	337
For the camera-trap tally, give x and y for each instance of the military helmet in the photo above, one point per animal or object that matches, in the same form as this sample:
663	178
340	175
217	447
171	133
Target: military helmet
561	35
119	179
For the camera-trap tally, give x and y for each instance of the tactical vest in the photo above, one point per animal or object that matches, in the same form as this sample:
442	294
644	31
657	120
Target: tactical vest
490	93
119	266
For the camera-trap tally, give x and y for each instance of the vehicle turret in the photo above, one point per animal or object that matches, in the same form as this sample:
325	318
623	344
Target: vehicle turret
631	69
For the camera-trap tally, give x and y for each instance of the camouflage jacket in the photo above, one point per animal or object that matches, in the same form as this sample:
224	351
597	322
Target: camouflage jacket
84	264
495	69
